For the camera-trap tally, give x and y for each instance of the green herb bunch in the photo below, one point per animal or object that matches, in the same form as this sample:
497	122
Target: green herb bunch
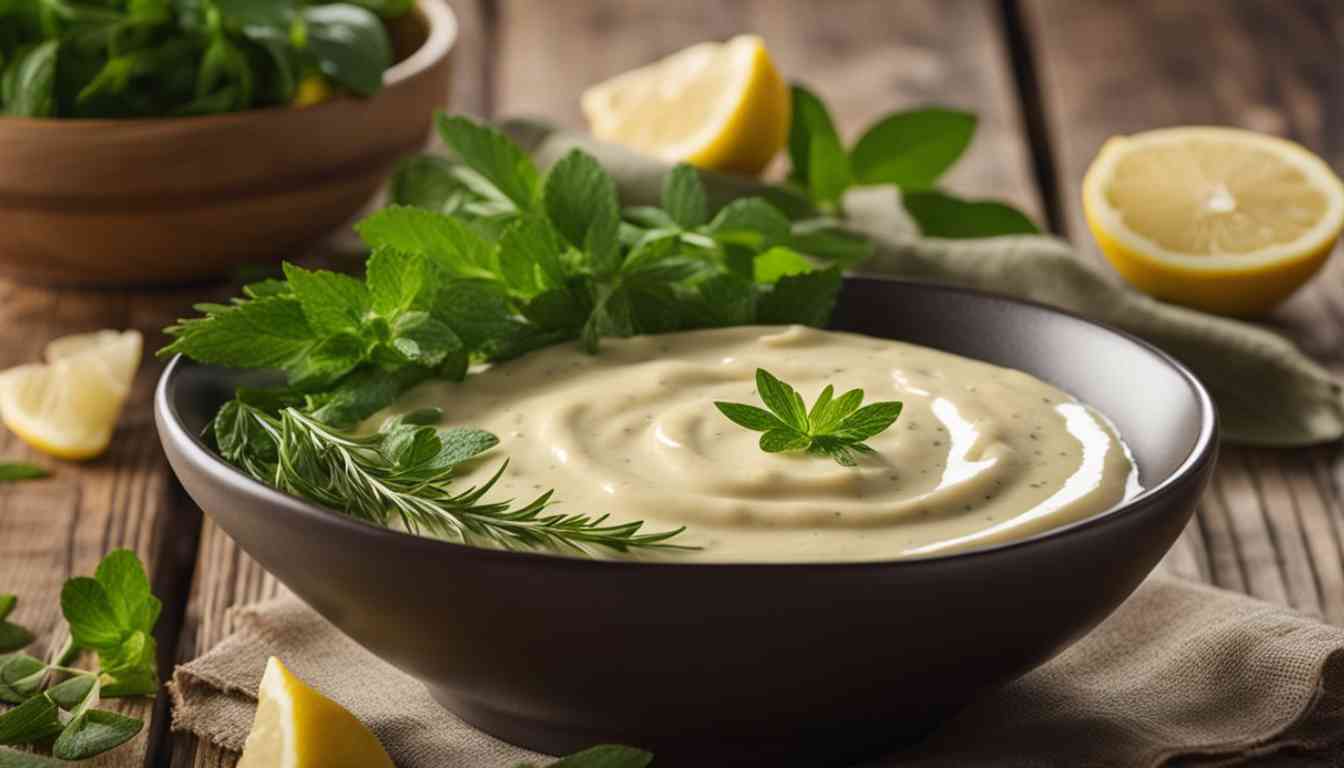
111	615
154	58
911	150
519	261
835	426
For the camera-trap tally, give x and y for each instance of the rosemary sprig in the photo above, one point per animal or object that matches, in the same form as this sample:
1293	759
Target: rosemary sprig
403	473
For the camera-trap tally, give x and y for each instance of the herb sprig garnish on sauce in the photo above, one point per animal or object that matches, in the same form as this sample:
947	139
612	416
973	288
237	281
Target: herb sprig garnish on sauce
518	261
835	427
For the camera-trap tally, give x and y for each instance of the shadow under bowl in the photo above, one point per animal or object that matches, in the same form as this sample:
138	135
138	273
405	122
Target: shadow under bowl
161	201
742	664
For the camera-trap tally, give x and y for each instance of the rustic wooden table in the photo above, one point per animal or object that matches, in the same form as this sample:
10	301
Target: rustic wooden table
1050	79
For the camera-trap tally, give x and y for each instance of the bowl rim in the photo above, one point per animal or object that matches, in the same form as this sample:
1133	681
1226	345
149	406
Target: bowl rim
1204	451
442	38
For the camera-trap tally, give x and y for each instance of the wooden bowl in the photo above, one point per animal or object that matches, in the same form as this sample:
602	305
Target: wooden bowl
174	200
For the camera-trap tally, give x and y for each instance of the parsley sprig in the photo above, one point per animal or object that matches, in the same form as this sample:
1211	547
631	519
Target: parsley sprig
112	615
835	427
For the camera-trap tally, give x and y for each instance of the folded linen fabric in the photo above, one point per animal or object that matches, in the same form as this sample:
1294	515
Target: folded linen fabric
1181	673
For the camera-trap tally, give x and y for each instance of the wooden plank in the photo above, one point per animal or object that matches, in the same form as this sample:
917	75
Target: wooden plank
54	529
1273	520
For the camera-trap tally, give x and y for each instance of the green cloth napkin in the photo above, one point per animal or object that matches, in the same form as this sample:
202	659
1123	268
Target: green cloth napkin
1267	391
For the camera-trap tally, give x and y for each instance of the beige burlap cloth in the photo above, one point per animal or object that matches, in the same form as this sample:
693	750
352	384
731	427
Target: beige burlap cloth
1182	674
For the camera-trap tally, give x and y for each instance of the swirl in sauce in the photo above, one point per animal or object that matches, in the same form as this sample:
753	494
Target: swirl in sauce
980	454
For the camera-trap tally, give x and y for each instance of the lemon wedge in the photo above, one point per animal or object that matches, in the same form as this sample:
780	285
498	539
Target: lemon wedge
69	406
720	106
1219	219
297	727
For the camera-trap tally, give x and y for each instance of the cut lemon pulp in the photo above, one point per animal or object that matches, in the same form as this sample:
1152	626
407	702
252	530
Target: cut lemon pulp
297	727
721	106
69	406
1220	219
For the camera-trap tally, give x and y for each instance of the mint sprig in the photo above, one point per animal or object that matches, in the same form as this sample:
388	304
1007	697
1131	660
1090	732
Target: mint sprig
911	150
111	614
835	427
13	472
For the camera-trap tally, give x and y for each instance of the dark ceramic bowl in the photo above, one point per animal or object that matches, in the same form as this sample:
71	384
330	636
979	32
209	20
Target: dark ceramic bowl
741	664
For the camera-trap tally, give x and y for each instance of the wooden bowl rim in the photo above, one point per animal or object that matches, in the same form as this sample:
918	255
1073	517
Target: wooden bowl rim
443	31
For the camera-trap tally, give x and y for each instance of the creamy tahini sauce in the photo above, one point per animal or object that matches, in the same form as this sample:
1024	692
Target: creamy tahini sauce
980	454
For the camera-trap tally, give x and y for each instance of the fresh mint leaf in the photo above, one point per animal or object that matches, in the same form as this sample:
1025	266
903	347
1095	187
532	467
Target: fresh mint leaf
782	399
529	256
824	416
941	215
806	299
395	279
30	81
727	300
835	427
93	733
652	217
479	311
445	241
580	200
32	722
349	44
684	197
73	692
777	263
123	579
267	287
751	222
270	332
21	677
819	161
131	668
461	443
12	636
12	472
868	421
424	340
497	160
606	756
429	182
558	309
827	239
364	393
92	618
751	417
327	362
912	149
782	440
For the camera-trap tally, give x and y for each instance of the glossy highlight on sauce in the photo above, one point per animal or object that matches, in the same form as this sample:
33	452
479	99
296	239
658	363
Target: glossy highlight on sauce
980	455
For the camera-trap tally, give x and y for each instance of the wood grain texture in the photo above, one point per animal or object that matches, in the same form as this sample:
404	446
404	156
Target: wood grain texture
54	529
1273	521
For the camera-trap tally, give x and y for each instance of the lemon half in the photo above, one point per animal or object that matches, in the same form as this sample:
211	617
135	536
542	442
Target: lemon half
297	727
1220	219
69	406
720	106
